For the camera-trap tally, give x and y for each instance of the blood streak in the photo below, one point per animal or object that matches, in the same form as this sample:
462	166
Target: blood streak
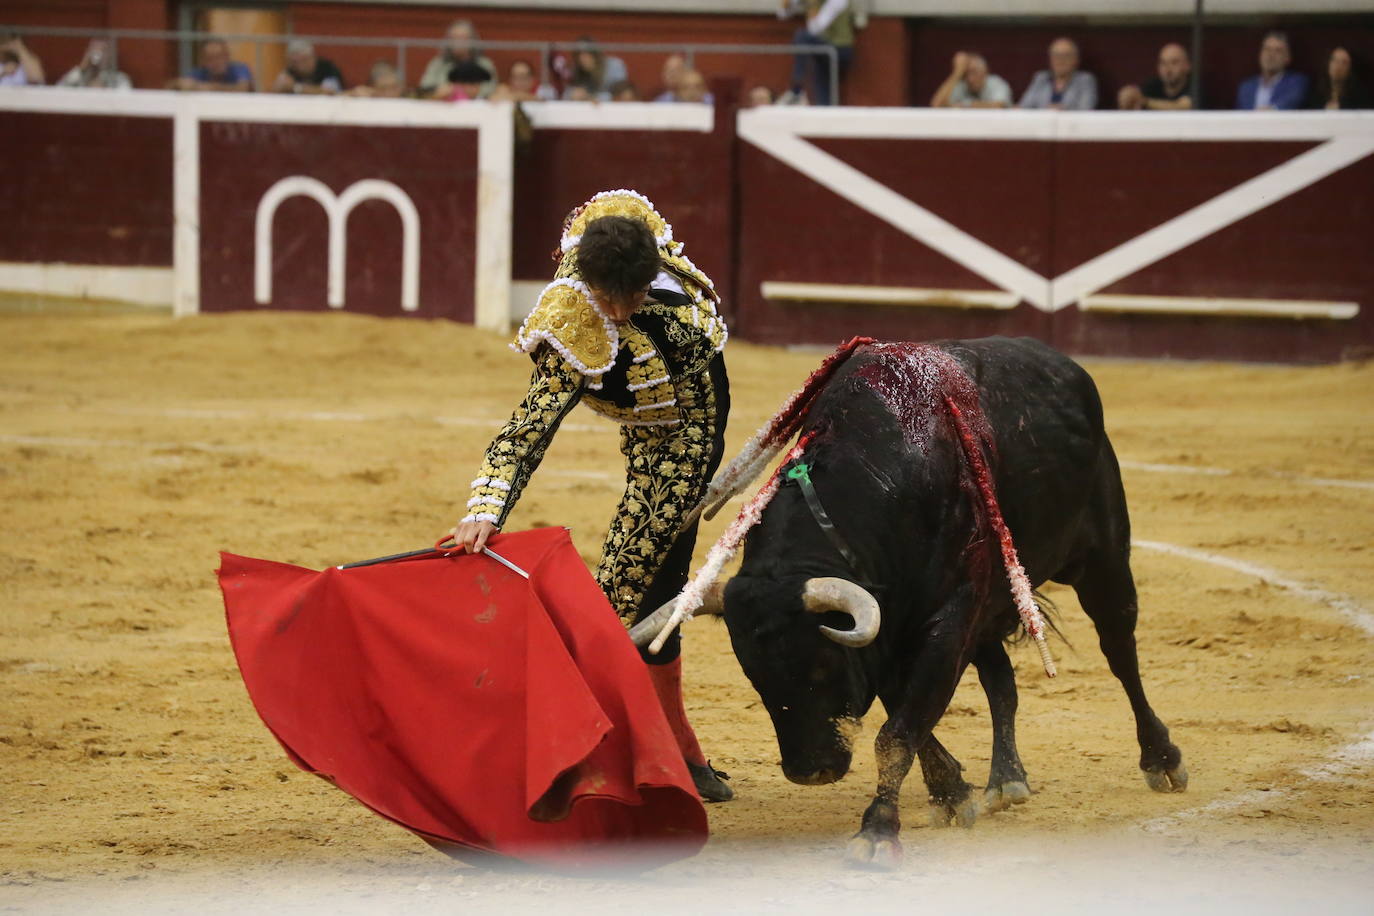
923	385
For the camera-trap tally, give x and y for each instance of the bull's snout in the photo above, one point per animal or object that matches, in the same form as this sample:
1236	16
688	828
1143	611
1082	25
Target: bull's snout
817	773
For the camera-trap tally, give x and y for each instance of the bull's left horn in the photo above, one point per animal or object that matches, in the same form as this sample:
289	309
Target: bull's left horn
644	632
831	594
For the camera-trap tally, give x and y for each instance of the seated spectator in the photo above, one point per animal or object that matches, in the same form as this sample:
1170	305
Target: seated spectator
383	82
1275	88
307	73
97	69
522	85
1340	87
216	73
1169	91
596	71
461	47
579	91
18	65
674	65
758	97
969	85
1063	86
624	91
828	23
466	81
692	88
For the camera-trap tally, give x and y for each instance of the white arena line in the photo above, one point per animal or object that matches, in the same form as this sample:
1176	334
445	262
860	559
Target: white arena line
1349	759
74	442
1156	468
1347	606
1352	758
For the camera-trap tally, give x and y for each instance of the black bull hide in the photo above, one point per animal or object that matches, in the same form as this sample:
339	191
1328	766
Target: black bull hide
886	461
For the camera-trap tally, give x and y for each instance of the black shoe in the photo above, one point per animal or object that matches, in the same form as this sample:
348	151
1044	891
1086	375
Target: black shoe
708	782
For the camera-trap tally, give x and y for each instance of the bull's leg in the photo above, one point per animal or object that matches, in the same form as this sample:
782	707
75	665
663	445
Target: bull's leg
951	799
1106	590
913	712
1007	784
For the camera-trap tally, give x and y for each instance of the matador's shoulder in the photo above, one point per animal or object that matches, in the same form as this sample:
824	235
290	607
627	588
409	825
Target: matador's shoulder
568	319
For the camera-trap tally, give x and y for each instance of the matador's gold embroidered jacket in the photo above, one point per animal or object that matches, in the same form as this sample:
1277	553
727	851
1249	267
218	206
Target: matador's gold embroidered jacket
649	372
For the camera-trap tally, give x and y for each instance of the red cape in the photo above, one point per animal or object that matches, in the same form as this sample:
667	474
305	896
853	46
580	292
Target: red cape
468	704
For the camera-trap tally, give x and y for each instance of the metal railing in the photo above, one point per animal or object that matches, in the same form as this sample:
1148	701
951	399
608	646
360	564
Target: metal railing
187	39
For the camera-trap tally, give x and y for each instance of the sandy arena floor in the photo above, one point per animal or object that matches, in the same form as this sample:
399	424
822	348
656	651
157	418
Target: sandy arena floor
135	775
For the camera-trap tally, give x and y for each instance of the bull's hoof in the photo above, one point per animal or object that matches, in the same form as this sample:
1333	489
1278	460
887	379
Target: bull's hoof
1175	780
964	813
882	854
1000	798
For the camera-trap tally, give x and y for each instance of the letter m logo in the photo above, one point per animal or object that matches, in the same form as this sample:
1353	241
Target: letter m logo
337	208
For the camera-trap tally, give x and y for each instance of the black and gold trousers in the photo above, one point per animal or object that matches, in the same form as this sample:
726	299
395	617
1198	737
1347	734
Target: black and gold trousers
646	558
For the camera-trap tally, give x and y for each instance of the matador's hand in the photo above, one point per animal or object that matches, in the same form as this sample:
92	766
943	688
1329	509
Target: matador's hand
472	536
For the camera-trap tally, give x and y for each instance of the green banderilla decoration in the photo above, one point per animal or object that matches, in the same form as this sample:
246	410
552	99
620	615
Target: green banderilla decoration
800	471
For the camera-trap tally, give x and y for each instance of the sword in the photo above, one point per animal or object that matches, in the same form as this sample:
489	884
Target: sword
429	551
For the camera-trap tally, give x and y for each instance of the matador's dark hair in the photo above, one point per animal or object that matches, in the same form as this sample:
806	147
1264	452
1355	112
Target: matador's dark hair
618	255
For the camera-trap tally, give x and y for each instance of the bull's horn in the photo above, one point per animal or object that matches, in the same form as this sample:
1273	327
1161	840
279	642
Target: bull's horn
830	594
644	632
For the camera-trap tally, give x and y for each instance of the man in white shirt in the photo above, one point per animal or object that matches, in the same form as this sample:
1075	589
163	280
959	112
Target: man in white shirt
969	85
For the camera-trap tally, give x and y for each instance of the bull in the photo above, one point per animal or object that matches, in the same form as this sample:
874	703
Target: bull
878	575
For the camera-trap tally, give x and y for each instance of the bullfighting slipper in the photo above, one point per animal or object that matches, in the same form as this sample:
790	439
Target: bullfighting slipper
710	782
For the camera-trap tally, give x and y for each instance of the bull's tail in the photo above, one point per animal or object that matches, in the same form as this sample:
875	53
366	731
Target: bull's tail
1021	592
772	437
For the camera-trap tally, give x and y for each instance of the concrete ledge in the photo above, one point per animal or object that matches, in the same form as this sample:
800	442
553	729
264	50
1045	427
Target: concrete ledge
848	294
1201	305
140	285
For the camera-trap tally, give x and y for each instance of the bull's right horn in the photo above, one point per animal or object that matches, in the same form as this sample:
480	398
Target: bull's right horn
713	602
831	594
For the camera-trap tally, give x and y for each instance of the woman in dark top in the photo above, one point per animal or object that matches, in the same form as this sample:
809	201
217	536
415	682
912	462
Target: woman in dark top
1339	87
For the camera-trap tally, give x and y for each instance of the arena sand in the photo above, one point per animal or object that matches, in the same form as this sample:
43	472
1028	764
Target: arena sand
134	774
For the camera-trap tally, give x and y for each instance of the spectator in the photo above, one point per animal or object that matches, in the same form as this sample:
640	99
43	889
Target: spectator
596	71
18	65
308	74
673	67
96	70
692	88
1340	88
216	73
624	91
1169	91
579	92
461	47
383	82
466	81
522	85
1063	85
1275	88
758	97
829	23
969	85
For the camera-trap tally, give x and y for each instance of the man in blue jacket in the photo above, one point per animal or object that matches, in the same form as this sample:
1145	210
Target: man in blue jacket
1276	88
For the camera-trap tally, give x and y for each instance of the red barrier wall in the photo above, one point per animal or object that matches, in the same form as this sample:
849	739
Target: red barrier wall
1059	212
436	168
1093	219
87	190
792	229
